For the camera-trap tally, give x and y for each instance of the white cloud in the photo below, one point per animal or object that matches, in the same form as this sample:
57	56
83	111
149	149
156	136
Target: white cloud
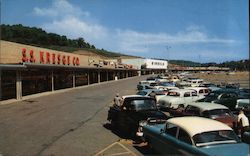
74	28
60	8
70	20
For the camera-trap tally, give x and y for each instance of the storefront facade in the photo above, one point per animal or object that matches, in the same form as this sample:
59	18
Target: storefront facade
28	70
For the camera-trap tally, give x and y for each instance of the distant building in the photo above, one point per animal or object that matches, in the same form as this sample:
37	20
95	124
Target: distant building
147	66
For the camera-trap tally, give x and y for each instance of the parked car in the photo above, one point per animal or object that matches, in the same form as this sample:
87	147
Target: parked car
146	92
227	97
246	137
210	86
201	91
135	109
243	104
194	136
177	97
208	110
166	86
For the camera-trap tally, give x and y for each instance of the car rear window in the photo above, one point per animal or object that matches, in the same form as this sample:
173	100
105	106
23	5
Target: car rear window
173	94
148	104
215	137
217	112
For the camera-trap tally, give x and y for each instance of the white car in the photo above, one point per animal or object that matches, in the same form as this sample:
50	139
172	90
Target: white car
243	104
201	91
177	97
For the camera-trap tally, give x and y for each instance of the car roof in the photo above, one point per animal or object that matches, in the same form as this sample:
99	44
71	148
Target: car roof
150	90
135	97
131	96
181	90
196	125
207	106
196	88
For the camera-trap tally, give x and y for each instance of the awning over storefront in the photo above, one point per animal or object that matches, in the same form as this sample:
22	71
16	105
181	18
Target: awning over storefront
12	66
49	66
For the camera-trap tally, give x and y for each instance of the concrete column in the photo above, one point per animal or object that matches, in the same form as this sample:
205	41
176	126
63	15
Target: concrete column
126	74
113	75
107	75
99	77
74	79
52	80
88	77
18	85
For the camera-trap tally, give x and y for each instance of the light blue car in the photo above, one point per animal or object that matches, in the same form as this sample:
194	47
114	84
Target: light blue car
194	136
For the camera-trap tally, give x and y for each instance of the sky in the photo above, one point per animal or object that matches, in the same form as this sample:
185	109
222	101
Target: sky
195	30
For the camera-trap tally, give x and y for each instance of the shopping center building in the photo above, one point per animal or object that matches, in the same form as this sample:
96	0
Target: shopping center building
28	70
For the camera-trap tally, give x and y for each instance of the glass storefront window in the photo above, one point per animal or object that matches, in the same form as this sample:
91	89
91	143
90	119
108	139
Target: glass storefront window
63	79
8	85
110	76
35	81
103	76
81	78
93	76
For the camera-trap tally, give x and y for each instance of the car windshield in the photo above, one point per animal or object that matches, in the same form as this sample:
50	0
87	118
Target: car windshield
160	93
215	137
217	112
166	84
213	95
148	104
173	94
141	93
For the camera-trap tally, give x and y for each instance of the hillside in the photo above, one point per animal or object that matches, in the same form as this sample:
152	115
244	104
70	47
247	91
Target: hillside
40	38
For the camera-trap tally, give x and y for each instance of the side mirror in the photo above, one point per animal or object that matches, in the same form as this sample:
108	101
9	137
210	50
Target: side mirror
161	131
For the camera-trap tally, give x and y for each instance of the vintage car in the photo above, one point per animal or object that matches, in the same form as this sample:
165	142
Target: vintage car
189	82
210	86
246	137
208	110
177	97
146	92
243	104
194	136
201	91
227	97
135	109
166	86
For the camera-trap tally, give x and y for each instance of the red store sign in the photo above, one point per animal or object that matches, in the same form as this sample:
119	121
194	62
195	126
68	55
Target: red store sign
49	58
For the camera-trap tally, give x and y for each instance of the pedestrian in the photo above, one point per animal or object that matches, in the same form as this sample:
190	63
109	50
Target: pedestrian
243	122
117	100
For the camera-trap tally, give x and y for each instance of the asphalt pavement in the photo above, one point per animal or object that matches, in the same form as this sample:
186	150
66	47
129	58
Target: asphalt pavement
69	123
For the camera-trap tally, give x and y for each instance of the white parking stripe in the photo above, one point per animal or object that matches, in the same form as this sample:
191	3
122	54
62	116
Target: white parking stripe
115	154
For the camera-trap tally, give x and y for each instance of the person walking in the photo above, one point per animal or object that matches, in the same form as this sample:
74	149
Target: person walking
117	100
243	122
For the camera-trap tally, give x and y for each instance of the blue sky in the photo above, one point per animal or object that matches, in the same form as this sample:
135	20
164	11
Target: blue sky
196	30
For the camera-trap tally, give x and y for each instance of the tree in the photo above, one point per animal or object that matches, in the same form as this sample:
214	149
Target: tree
80	42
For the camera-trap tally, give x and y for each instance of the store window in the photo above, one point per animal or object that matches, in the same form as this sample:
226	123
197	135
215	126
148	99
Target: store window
81	78
63	79
93	76
8	85
103	75
35	81
110	76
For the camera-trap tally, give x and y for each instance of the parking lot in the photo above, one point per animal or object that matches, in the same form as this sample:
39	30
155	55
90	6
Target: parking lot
69	123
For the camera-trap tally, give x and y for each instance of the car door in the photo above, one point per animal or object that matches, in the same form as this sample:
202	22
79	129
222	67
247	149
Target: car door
187	97
167	141
184	147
